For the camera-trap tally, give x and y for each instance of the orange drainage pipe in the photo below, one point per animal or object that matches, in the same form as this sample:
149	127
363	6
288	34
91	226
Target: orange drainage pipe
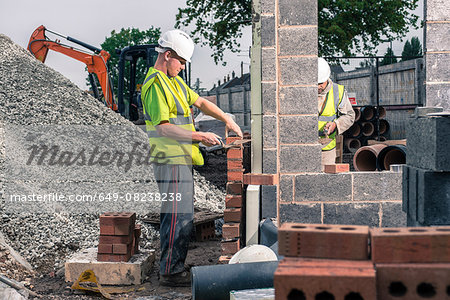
368	113
384	126
357	113
382	112
367	128
354	131
352	144
365	158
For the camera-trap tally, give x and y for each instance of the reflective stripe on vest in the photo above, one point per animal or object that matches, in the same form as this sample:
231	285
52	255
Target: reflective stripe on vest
175	152
329	113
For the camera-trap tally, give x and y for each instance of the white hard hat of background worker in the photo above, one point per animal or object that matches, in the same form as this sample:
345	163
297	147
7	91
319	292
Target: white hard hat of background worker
178	41
324	70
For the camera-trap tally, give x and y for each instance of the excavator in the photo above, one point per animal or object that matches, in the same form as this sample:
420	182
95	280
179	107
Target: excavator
128	105
96	62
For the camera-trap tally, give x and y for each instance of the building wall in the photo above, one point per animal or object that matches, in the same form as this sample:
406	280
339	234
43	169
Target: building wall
290	149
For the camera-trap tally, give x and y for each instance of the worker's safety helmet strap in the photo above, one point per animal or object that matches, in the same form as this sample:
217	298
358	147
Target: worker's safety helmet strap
324	71
179	42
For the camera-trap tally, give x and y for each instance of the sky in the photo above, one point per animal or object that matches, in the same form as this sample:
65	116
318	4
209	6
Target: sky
92	21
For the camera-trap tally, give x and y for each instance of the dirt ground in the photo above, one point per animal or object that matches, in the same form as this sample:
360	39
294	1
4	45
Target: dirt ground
53	285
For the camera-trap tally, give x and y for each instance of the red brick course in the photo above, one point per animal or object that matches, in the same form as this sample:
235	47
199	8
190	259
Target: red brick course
260	179
324	241
236	175
235	153
233	201
337	168
410	245
293	280
234	188
231	230
232	215
230	247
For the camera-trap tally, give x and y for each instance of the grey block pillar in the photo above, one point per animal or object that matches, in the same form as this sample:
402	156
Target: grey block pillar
437	53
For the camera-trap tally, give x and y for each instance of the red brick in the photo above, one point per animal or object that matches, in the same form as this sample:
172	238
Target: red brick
230	247
337	168
115	239
235	175
234	188
235	153
105	248
136	238
261	179
225	259
232	139
205	231
233	201
232	215
312	282
113	257
117	218
231	230
122	248
413	281
411	245
234	164
324	241
106	230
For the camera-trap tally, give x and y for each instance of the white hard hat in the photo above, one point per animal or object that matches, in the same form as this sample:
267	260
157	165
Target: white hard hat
324	70
253	253
179	42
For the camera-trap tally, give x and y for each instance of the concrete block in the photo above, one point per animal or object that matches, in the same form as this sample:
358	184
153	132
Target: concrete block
436	34
352	214
298	100
302	213
297	12
393	216
269	98
410	245
267	31
286	188
323	241
267	6
438	95
436	67
269	131
377	186
307	158
412	281
268	64
437	10
298	129
297	281
433	199
269	201
297	41
428	140
405	188
323	187
110	273
413	193
270	161
298	70
423	111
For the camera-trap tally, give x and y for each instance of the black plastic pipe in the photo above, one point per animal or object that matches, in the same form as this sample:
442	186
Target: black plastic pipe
216	281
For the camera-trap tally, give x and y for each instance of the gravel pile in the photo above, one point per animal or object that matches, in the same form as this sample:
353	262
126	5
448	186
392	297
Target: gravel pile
31	93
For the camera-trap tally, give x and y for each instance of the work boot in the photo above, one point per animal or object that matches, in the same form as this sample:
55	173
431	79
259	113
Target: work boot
176	280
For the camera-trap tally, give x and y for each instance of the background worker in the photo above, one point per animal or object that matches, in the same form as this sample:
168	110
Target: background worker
166	99
336	113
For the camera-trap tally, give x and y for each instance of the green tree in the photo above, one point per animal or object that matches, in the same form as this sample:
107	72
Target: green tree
387	60
411	49
345	27
122	39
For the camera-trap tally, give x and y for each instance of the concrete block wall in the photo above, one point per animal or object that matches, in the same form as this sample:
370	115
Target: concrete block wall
437	53
290	146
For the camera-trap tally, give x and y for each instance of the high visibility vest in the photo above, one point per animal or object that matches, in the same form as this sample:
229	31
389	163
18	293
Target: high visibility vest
329	113
163	149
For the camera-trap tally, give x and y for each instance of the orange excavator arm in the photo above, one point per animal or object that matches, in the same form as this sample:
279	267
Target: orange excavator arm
39	45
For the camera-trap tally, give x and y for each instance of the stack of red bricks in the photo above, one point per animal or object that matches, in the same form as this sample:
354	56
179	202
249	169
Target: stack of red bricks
332	262
233	214
324	262
119	237
412	262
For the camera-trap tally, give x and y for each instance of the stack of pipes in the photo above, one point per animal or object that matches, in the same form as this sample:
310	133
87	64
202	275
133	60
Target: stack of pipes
367	126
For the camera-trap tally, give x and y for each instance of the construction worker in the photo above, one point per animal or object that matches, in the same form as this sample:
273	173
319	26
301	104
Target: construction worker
336	113
166	99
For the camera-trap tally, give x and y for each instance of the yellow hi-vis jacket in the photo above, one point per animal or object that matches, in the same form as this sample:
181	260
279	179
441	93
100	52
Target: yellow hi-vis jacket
168	99
329	113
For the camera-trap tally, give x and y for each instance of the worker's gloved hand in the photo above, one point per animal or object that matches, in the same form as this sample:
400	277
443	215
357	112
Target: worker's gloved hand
232	126
209	139
329	128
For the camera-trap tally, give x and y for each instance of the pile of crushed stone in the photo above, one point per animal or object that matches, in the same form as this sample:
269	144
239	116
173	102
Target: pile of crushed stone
32	93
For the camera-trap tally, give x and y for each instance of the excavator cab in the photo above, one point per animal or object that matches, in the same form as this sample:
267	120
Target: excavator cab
130	105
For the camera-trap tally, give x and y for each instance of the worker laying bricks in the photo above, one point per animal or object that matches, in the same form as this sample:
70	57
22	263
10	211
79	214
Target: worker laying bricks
336	113
166	99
